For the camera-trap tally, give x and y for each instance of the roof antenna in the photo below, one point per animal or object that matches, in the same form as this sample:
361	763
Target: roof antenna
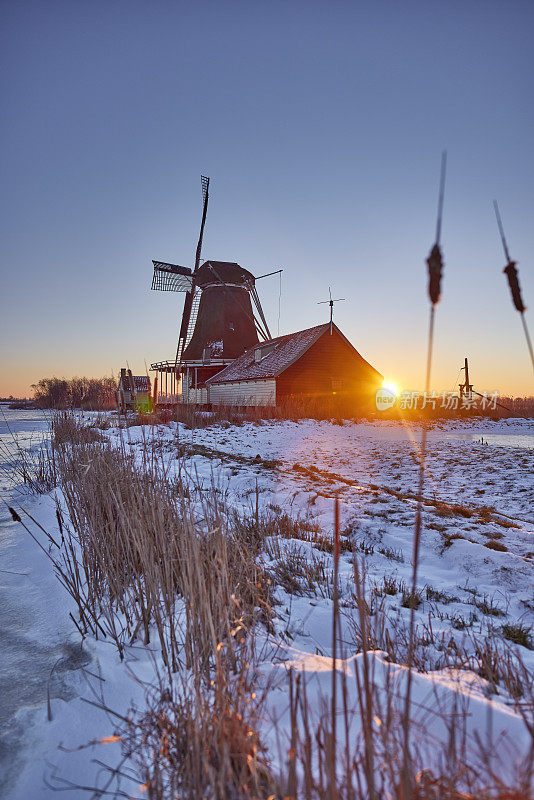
510	271
331	304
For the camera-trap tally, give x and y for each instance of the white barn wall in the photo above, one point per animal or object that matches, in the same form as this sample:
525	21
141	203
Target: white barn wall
244	393
196	396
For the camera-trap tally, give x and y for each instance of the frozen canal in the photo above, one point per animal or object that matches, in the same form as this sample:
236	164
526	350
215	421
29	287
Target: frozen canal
38	649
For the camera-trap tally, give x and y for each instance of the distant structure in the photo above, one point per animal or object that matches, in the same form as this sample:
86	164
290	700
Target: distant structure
466	388
133	392
317	362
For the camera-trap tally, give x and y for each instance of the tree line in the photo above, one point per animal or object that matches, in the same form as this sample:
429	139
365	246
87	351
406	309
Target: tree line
90	394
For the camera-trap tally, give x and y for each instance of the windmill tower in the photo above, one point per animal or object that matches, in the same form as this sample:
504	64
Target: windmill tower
222	317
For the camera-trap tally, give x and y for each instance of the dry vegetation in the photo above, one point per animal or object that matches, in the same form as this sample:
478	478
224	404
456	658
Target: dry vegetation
136	550
335	409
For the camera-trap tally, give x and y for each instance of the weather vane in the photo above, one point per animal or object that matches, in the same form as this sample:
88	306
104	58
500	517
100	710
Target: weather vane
331	304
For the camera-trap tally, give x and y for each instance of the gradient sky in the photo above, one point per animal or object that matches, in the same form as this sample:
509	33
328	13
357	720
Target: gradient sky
321	125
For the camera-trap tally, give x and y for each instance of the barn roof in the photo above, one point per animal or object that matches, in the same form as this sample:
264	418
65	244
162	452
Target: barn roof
281	353
141	383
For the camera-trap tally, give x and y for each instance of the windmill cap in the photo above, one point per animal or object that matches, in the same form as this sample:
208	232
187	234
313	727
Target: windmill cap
216	272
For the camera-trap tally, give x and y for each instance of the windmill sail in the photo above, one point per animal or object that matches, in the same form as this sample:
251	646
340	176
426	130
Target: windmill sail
193	315
171	277
188	303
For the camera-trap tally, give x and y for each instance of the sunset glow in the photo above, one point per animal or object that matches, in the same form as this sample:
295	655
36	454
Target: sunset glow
391	387
351	205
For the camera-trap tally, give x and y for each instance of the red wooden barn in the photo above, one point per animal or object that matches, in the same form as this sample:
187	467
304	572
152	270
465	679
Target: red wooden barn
317	362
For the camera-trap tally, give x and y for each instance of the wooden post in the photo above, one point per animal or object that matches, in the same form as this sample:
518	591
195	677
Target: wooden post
133	390
467	387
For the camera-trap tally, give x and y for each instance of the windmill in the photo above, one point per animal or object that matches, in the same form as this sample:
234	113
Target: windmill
222	315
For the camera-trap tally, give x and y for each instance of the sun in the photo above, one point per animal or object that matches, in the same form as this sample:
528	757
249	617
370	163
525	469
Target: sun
390	387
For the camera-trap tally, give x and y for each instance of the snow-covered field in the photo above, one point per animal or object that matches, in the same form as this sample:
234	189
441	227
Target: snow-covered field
478	492
475	494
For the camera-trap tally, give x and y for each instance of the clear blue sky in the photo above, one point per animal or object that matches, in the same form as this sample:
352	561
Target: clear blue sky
321	125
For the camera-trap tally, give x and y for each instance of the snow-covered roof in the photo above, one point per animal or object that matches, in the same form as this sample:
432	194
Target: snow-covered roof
280	354
141	383
275	357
